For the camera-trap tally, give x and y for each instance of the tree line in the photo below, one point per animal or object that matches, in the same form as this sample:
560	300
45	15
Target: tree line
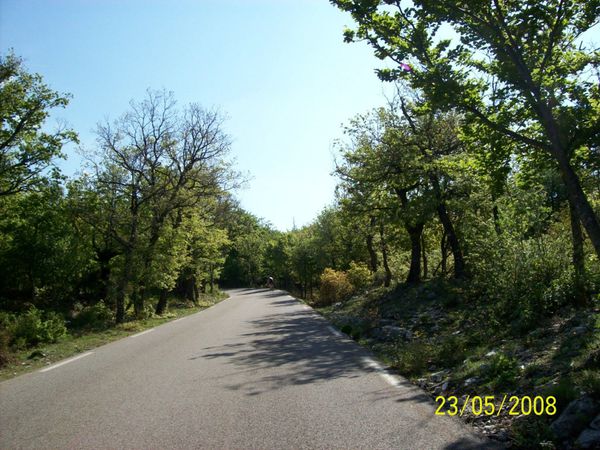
147	217
484	168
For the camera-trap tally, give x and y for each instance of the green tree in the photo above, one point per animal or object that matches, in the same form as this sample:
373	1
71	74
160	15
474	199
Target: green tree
249	238
158	162
518	69
384	174
26	151
42	259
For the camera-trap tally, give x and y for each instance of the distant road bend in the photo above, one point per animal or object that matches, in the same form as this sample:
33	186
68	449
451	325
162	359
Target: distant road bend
258	370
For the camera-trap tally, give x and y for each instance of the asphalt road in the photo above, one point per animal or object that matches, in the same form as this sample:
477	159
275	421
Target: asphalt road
258	370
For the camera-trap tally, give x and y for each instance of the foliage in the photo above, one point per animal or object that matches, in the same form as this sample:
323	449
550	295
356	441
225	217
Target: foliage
42	258
25	150
517	68
359	275
335	286
413	358
33	327
529	261
95	317
4	346
502	370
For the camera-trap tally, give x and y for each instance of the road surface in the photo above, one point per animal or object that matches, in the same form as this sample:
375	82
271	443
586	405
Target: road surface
258	370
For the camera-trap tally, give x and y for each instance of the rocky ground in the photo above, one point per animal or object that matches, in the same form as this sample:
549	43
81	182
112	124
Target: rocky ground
450	348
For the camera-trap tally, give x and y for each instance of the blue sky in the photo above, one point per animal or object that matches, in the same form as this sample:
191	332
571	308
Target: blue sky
278	68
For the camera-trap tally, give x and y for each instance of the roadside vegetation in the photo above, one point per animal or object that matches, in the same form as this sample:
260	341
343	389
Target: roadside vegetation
34	342
463	246
139	236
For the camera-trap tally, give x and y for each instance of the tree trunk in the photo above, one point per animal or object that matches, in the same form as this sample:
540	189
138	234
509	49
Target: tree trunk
372	254
414	232
129	249
424	252
388	273
578	258
443	248
195	291
580	203
123	284
162	304
138	303
576	196
104	257
459	262
496	215
371	248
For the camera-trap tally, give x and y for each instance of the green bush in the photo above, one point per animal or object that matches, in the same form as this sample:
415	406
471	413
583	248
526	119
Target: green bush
96	317
31	328
502	370
523	278
413	358
359	275
4	346
452	351
335	287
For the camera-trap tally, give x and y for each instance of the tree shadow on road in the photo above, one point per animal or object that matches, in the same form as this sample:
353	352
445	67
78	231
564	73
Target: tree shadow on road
251	291
296	348
287	302
303	350
293	341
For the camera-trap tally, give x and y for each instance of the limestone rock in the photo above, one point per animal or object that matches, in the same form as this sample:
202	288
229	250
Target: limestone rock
575	418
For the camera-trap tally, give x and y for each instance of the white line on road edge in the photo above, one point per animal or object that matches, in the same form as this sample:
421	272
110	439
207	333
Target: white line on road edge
66	361
334	331
177	320
372	364
142	332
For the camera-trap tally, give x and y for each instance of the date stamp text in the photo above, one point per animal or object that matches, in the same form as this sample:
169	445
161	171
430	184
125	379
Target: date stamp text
491	405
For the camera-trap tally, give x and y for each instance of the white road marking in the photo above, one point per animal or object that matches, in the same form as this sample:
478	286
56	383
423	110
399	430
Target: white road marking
142	332
66	361
177	320
334	331
388	377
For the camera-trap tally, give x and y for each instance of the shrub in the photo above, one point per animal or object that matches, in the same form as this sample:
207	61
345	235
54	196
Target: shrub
32	328
4	346
335	287
359	275
96	317
502	370
452	351
413	358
